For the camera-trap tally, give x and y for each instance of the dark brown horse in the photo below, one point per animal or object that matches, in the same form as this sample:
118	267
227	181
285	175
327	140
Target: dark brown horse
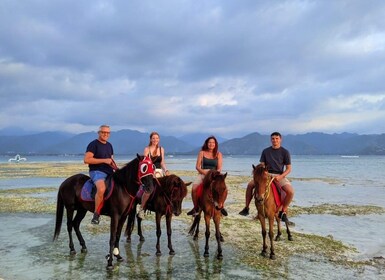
267	207
126	184
211	203
166	200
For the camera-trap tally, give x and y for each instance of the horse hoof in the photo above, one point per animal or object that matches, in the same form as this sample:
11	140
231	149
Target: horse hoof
158	254
272	257
119	258
195	238
206	255
72	252
142	239
290	238
220	257
222	239
128	240
172	253
84	250
263	254
110	267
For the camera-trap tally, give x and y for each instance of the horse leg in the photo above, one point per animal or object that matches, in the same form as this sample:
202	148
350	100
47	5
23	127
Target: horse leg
70	214
279	233
218	235
198	220
113	230
158	233
271	237
169	232
116	251
140	233
263	226
289	236
207	234
130	225
80	214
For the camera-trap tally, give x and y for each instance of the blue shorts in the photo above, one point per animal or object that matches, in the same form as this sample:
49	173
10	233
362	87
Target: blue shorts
97	175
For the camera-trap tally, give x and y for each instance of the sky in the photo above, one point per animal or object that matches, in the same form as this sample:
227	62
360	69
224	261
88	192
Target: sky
227	68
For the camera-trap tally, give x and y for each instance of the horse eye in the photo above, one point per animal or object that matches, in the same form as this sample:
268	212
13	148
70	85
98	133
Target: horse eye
143	168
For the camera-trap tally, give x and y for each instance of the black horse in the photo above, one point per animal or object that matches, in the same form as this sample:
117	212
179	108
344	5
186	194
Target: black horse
165	201
127	181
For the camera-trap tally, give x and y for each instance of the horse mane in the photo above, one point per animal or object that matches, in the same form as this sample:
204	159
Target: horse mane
169	182
128	174
209	177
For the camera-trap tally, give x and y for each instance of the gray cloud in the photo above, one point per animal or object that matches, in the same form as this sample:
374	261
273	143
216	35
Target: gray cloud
229	68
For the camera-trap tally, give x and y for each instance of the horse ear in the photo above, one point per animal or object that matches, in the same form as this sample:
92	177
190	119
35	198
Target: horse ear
188	184
253	166
138	156
224	176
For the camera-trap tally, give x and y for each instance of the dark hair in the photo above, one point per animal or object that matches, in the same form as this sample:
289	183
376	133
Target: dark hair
205	146
276	134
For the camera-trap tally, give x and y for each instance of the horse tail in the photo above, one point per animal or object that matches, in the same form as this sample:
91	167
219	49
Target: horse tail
59	215
194	225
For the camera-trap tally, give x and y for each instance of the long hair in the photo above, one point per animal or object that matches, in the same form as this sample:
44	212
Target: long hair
152	134
205	146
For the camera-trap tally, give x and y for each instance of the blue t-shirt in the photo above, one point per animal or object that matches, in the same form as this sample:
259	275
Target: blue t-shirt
101	150
275	159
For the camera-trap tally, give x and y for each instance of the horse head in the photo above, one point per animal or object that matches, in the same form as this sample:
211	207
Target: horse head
260	177
146	171
176	190
218	188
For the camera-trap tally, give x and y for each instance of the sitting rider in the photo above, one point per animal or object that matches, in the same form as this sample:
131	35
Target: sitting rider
278	161
99	157
156	154
209	158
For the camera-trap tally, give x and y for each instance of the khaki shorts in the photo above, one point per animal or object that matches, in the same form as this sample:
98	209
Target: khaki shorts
283	182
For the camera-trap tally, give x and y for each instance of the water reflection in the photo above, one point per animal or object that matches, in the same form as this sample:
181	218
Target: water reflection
203	270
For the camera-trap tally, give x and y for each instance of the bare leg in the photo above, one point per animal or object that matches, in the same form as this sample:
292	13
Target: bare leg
289	196
100	189
249	197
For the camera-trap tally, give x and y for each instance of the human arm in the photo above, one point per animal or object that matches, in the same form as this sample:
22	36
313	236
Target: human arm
284	174
198	165
219	166
146	151
163	163
90	159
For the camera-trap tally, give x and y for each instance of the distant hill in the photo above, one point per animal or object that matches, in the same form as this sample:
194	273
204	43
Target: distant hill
131	142
197	139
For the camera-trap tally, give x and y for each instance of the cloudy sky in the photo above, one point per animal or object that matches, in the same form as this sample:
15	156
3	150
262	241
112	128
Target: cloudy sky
227	68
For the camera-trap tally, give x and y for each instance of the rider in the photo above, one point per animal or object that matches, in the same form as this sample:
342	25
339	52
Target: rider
156	154
209	158
278	161
99	157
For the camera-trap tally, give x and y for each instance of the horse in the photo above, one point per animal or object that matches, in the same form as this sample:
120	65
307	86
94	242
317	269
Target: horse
267	207
166	200
211	202
126	181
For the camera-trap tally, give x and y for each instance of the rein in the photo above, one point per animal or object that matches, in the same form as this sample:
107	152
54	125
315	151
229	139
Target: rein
266	193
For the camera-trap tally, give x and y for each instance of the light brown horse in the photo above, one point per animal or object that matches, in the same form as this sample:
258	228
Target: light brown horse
211	203
267	208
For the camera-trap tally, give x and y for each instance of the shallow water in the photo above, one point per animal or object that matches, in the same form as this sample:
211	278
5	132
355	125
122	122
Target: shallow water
28	251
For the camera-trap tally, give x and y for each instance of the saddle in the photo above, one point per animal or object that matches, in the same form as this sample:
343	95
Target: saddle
89	189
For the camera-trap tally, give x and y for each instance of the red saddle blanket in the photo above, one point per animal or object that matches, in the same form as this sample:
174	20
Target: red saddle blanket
279	194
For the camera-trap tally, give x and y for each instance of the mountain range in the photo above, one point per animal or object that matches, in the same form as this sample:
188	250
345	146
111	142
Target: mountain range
132	141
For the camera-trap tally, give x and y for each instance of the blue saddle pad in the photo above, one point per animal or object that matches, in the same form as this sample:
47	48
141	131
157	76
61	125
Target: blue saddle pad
89	190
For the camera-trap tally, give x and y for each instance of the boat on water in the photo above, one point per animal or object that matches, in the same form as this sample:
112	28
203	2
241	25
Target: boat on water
17	158
350	156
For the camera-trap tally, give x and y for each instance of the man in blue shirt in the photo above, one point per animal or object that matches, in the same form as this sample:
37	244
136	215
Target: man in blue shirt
99	157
